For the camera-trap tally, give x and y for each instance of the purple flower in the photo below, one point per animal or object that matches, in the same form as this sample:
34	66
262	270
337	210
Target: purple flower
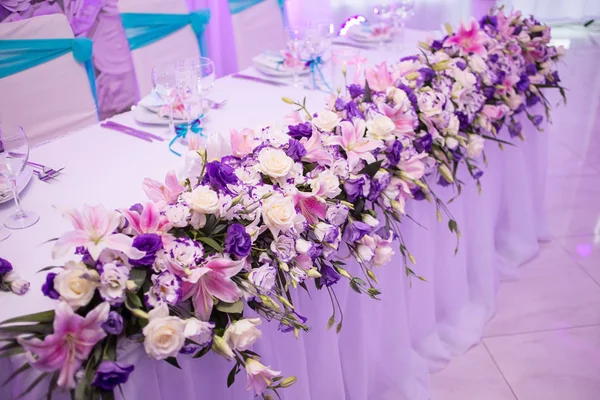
520	109
295	150
537	120
5	266
166	289
137	207
287	328
410	94
48	287
489	20
489	92
284	248
378	186
427	74
515	129
111	374
355	231
476	173
417	193
82	251
461	64
237	241
424	143
437	45
523	83
555	77
326	233
337	215
189	348
493	58
353	110
393	152
354	188
114	323
300	131
219	175
409	58
339	104
531	69
329	276
443	182
356	90
150	243
532	100
463	120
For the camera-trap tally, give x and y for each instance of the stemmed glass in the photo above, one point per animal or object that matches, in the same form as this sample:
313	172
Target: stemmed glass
318	41
186	82
163	81
295	46
401	11
382	14
205	72
14	152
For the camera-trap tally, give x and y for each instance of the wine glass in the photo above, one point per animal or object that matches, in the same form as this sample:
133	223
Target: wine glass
205	70
318	41
14	152
186	82
295	46
401	11
382	21
163	81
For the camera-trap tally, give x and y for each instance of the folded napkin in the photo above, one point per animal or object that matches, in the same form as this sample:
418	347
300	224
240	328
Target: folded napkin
369	32
277	62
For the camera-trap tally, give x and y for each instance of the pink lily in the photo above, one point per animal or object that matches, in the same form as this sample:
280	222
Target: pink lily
212	279
413	167
163	194
315	152
70	345
402	118
242	142
379	78
354	142
310	206
469	39
259	376
149	221
95	230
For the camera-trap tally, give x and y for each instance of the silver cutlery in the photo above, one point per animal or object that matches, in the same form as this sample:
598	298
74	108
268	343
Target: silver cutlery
44	173
215	105
259	80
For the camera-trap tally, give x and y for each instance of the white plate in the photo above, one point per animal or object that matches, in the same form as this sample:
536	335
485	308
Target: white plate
22	182
364	36
266	63
147	116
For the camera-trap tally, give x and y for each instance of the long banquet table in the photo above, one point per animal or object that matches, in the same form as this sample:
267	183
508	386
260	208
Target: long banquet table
386	348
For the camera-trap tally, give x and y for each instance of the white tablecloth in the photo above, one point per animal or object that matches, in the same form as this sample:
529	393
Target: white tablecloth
386	347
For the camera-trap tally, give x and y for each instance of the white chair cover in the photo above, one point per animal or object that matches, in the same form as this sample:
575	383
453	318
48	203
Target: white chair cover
179	45
51	99
256	29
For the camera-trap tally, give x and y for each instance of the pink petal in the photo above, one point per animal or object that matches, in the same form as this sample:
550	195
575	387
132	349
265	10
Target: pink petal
72	215
66	378
226	266
311	208
121	242
133	218
203	302
149	219
221	287
68	241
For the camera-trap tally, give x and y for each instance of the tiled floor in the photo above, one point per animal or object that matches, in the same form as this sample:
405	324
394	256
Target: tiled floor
544	342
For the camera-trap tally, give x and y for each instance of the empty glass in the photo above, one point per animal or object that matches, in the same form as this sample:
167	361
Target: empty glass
295	47
163	81
186	81
401	11
345	68
14	152
382	22
318	41
205	73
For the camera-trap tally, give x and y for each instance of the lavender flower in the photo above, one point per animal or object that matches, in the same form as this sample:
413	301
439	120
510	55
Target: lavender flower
284	248
340	104
354	188
337	215
537	120
295	150
329	276
515	129
356	90
5	266
355	230
219	175
111	374
393	152
424	143
151	244
353	111
166	288
48	287
237	241
300	131
114	323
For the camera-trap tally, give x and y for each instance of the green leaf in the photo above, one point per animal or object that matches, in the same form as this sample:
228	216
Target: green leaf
33	385
497	140
367	98
23	367
134	300
371	169
49	268
108	395
52	385
212	243
173	362
202	352
232	374
354	286
231	308
137	275
44	316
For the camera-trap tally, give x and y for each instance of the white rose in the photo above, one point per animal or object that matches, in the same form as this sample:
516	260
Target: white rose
200	332
477	63
380	128
203	200
383	255
274	162
164	336
247	175
178	215
326	121
431	103
303	246
76	284
475	146
326	185
113	283
243	333
279	213
451	143
453	125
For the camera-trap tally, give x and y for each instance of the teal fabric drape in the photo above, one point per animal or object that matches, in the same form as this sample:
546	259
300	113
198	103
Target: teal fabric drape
18	55
237	6
144	29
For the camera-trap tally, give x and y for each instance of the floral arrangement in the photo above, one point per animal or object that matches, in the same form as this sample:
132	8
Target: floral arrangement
219	248
10	280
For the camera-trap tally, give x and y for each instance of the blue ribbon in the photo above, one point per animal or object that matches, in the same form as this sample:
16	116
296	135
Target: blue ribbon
18	55
144	29
182	130
237	6
314	64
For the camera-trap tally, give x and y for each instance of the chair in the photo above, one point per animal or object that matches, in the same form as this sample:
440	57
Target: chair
161	32
258	25
46	78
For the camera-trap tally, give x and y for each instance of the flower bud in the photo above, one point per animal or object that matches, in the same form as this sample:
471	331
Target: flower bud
448	29
284	267
288	100
139	313
131	286
287	382
344	68
372	275
285	302
412	76
445	172
412	258
343	272
313	273
220	346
